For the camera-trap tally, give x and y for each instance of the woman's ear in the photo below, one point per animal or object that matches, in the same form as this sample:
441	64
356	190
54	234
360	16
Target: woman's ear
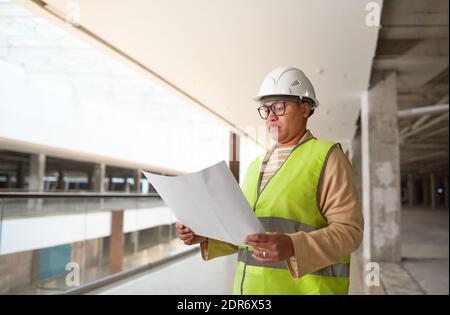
305	109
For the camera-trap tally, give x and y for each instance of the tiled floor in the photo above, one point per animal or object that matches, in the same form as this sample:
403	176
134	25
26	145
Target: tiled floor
190	276
430	274
425	247
424	268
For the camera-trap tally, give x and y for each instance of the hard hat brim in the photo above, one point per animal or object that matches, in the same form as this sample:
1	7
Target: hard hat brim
258	98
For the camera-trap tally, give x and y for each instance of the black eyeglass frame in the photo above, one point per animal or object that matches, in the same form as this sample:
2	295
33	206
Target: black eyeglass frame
269	108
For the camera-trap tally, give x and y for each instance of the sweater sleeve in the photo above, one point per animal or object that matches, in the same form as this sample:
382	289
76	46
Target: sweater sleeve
212	248
339	205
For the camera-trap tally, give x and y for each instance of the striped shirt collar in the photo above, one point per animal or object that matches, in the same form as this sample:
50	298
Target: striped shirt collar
308	135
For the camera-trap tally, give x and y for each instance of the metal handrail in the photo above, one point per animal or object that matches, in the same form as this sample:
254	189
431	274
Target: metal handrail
107	280
83	195
114	278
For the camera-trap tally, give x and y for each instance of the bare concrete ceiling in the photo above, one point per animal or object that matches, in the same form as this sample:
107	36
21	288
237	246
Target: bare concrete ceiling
414	42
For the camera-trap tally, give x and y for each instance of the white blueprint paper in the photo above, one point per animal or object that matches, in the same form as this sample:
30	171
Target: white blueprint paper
210	202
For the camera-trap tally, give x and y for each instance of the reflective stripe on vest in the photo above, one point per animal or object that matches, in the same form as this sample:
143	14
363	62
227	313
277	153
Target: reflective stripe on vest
289	203
336	270
289	226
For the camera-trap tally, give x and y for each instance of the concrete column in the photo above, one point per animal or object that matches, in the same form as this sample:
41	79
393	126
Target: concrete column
137	181
5	275
37	172
381	171
78	256
36	184
46	186
20	174
160	234
426	191
411	191
100	252
97	182
357	161
415	196
35	267
61	185
135	241
8	181
433	191
116	242
127	184
234	155
111	186
446	191
90	174
108	183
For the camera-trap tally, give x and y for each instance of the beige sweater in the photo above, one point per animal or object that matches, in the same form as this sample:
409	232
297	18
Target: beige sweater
339	205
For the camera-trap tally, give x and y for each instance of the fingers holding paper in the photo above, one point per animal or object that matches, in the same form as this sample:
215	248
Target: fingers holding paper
270	248
187	235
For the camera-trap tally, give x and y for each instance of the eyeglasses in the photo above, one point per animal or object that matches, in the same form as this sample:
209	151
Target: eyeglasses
277	107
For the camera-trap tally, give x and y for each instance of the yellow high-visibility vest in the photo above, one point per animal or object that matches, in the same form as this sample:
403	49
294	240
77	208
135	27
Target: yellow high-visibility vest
289	203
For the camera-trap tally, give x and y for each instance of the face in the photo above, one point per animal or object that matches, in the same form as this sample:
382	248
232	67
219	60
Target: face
287	127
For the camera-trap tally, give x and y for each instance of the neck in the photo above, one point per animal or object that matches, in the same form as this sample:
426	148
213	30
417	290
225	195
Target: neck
293	141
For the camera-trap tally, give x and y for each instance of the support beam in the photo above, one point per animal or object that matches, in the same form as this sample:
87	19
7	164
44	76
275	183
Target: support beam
429	124
381	171
405	130
435	132
423	118
424	157
425	167
423	146
419	122
423	110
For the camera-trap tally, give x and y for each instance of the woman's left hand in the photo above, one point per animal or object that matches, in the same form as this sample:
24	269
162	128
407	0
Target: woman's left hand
270	248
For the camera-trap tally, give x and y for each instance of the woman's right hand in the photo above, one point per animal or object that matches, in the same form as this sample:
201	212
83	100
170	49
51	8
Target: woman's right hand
187	235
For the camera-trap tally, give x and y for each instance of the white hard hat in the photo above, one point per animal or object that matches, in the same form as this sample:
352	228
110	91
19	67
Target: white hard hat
287	81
